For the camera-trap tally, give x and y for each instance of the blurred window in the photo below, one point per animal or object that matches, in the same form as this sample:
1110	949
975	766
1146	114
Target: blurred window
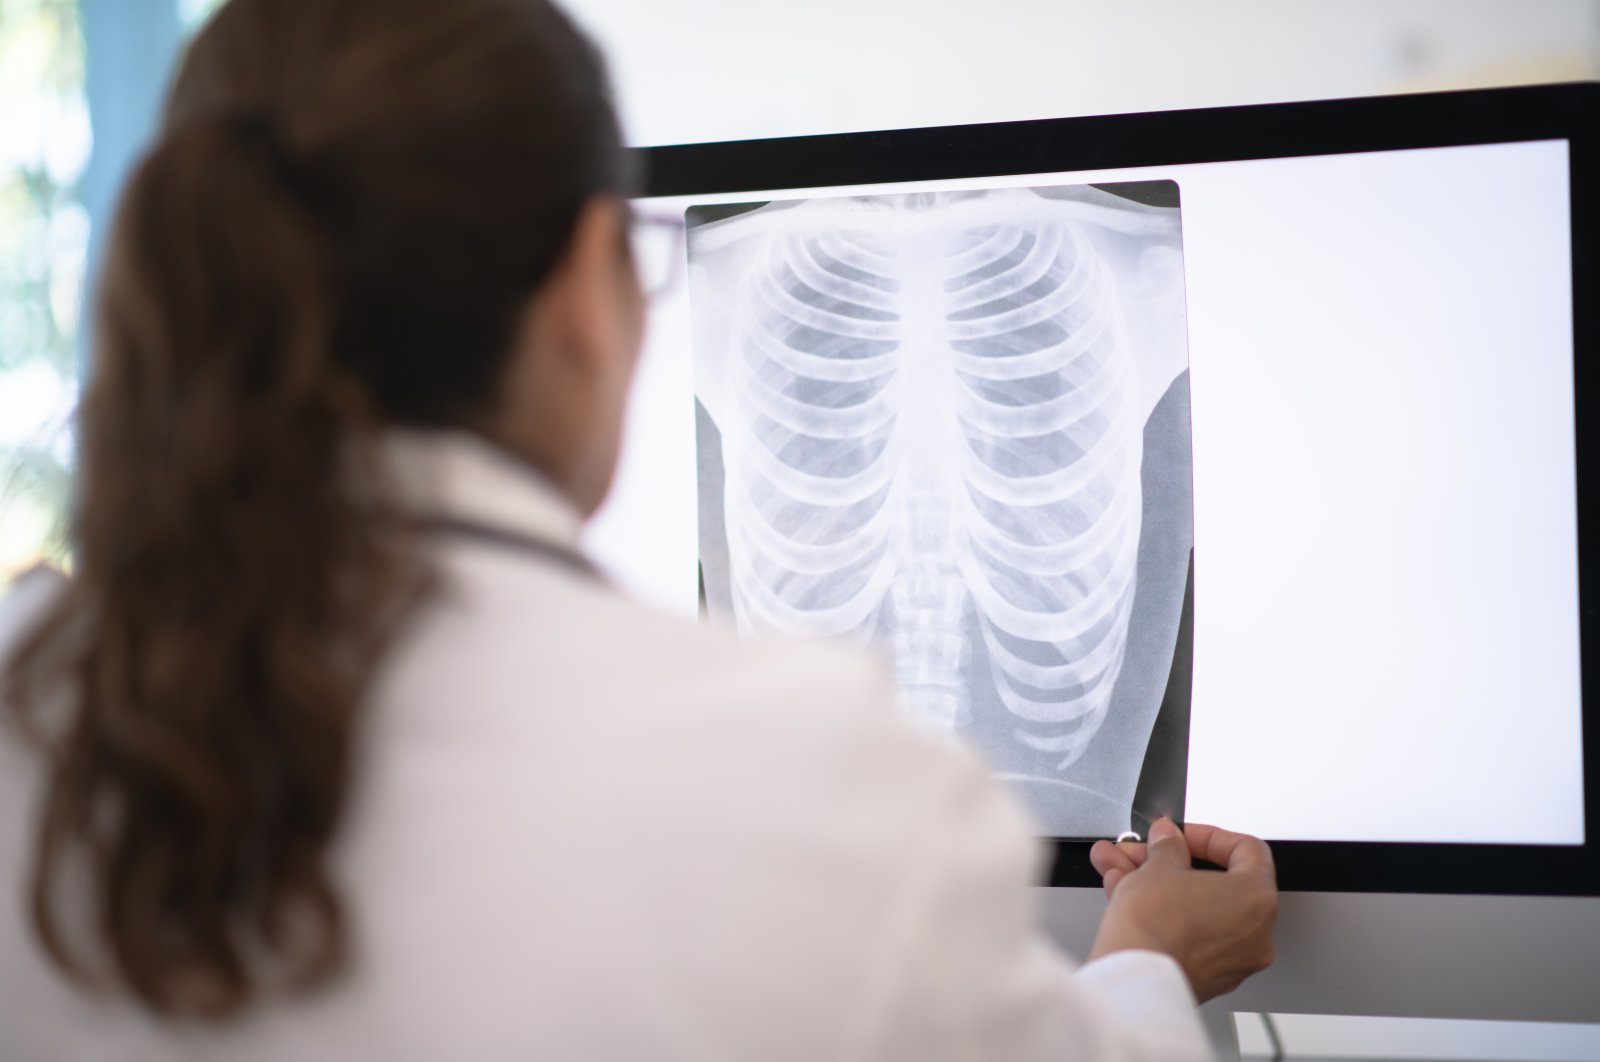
44	238
80	82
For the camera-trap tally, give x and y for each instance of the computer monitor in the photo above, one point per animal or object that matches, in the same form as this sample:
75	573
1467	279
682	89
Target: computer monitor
1223	464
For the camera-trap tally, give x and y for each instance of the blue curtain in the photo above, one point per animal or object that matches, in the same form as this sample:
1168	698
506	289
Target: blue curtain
130	49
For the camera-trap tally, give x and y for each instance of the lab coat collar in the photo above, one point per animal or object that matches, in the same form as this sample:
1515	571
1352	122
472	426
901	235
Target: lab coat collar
462	476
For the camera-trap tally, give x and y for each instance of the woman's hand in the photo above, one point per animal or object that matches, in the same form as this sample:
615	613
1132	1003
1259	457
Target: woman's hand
1218	925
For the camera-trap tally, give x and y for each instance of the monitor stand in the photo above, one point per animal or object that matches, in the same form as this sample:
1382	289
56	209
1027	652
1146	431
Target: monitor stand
1497	958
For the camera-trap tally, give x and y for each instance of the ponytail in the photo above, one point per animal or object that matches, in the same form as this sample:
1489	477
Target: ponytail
233	587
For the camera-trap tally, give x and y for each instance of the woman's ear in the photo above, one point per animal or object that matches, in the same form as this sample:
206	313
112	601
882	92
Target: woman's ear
564	396
591	303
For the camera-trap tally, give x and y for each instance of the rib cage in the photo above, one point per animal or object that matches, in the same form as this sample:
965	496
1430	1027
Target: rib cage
934	418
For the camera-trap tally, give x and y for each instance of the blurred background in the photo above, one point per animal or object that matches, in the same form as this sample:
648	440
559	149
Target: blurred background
81	83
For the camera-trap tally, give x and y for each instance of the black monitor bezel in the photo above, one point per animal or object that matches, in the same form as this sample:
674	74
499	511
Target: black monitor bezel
1325	127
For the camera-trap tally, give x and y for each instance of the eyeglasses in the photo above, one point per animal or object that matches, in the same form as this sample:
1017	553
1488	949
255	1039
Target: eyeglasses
657	244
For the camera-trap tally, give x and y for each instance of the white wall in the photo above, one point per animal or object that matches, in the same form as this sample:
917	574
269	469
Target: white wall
691	70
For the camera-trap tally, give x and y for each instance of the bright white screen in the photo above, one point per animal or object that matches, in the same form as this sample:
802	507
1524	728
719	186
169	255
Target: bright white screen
1386	615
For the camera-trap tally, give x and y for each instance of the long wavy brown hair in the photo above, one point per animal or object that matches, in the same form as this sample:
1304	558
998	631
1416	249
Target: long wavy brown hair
348	206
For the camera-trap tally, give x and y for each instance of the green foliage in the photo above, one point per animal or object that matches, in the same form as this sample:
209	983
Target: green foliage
44	145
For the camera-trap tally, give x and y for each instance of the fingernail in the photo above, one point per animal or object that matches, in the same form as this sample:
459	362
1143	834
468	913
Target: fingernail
1163	828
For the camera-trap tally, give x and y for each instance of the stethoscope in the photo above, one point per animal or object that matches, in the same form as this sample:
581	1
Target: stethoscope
553	553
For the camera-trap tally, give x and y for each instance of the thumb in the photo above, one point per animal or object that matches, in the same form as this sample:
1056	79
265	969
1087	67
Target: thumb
1167	844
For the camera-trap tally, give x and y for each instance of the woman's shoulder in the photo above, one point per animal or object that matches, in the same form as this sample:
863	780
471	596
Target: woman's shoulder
720	680
511	628
607	676
808	731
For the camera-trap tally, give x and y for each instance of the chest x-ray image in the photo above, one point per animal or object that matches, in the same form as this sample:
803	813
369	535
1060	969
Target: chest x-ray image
957	425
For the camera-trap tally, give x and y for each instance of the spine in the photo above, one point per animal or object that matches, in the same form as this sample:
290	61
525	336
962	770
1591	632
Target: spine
930	600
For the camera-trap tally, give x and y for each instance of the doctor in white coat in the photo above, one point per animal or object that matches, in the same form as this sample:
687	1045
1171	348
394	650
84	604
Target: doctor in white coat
335	746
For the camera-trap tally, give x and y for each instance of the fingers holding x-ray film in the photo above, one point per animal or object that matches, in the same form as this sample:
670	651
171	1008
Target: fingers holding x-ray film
927	417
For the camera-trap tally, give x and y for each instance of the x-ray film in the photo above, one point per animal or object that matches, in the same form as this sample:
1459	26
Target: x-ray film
957	425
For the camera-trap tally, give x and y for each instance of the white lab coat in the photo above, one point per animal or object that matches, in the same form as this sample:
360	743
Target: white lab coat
582	829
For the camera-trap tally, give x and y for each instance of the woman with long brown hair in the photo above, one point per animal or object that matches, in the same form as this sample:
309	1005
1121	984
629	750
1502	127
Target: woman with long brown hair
335	746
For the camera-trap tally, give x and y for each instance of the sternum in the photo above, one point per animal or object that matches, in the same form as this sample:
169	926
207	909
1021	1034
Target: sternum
928	595
927	435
